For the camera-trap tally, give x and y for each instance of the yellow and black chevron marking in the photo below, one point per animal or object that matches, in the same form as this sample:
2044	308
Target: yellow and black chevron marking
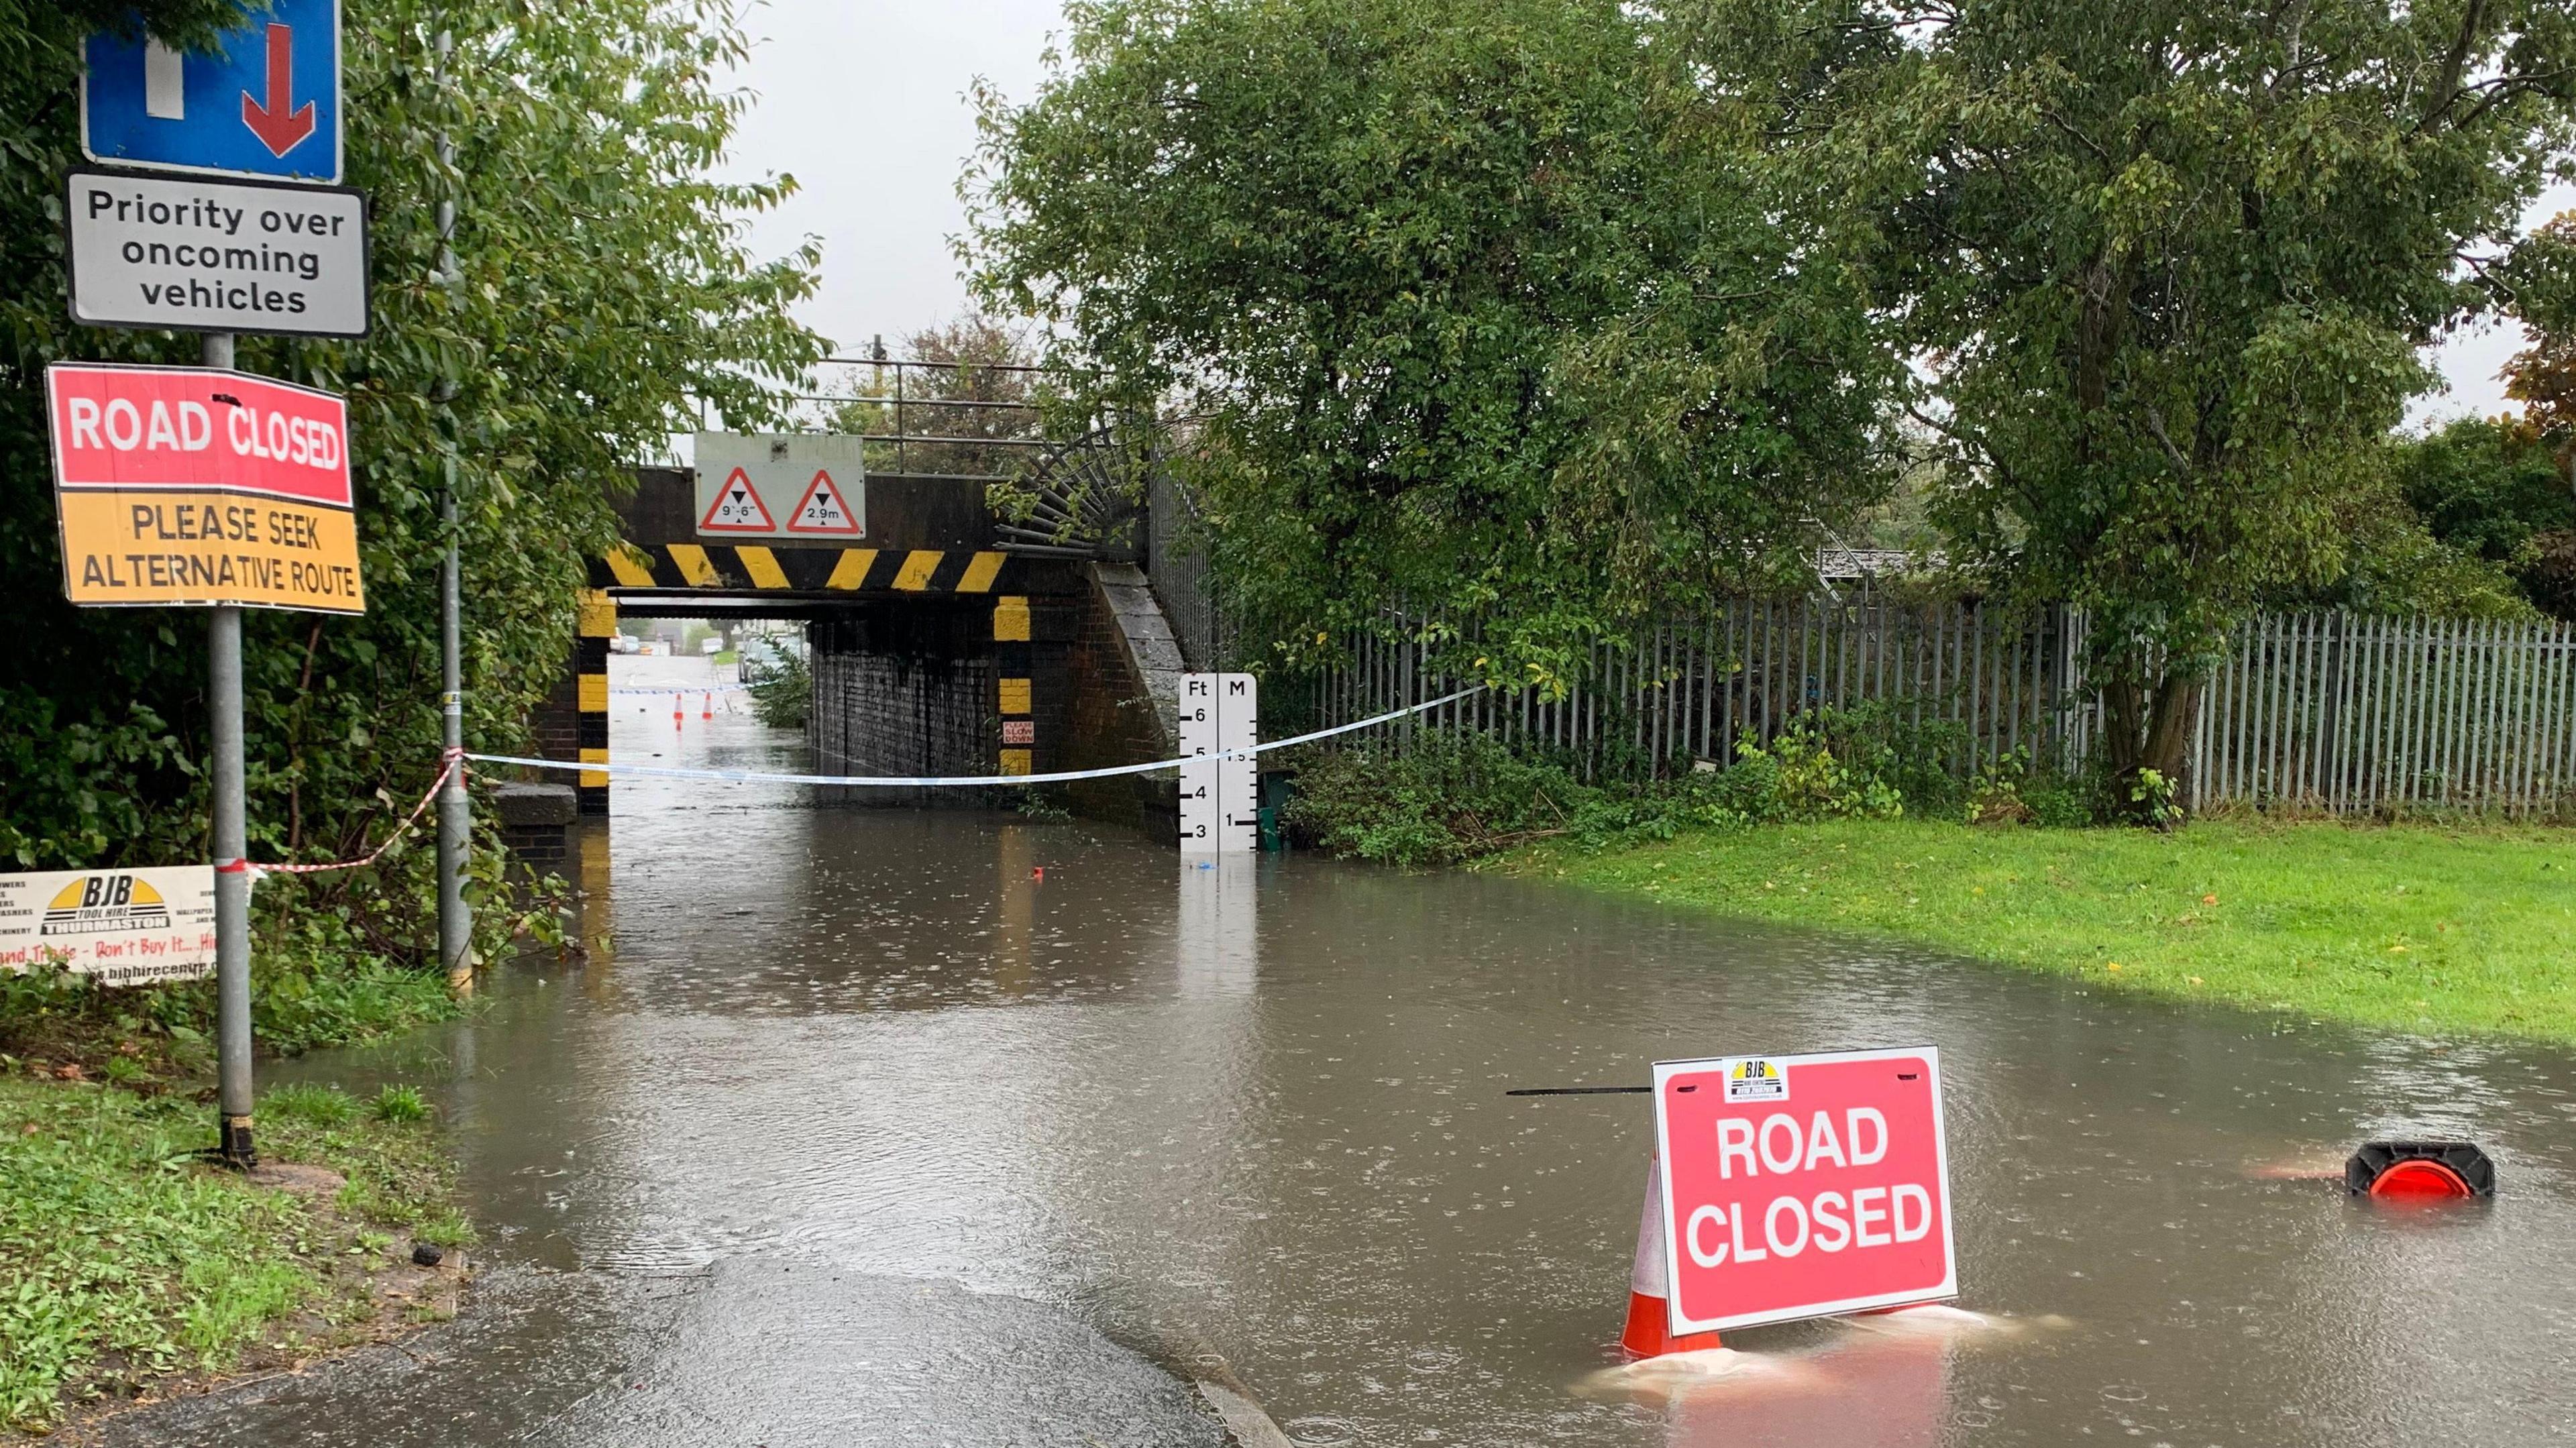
1011	659
590	668
804	570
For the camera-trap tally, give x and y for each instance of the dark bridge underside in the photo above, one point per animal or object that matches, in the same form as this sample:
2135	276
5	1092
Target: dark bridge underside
935	652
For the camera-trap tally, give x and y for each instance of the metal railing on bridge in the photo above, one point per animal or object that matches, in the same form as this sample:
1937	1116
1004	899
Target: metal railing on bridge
972	422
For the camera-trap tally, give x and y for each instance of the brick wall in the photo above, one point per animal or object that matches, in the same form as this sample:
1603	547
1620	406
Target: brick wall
555	726
1110	718
906	689
916	687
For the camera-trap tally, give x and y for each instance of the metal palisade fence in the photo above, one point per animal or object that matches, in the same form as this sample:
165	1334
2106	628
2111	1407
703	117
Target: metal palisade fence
2329	711
1176	562
2365	715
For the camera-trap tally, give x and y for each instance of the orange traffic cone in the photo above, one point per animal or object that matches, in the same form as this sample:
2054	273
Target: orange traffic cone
706	706
1649	1331
679	718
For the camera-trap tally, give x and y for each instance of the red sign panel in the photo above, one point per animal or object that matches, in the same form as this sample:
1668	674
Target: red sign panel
192	486
1802	1186
197	430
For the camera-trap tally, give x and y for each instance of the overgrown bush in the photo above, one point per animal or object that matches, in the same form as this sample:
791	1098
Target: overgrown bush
783	693
316	980
1442	798
2009	791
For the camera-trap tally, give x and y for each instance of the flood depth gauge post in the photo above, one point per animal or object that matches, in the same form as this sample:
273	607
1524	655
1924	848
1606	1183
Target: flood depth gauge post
1220	798
217	211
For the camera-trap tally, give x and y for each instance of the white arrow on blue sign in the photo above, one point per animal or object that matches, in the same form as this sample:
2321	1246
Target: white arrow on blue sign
266	103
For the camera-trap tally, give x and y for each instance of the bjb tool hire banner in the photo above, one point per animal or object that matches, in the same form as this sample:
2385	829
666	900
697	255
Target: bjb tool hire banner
124	927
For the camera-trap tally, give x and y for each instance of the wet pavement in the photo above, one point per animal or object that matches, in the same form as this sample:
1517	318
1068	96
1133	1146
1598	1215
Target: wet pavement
860	1131
749	1351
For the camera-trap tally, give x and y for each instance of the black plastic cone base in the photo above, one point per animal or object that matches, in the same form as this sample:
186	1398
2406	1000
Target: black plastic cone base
2464	1159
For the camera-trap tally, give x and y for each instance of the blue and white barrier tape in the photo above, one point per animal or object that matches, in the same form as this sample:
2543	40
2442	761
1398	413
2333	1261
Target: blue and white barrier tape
958	781
698	689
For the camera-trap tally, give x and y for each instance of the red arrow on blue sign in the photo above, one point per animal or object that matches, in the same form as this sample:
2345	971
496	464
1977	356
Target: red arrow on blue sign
280	125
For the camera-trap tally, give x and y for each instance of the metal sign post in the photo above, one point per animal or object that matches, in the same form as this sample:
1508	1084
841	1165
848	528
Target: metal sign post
233	1089
455	810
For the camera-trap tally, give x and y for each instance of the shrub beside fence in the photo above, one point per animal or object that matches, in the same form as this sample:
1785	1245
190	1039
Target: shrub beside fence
2332	712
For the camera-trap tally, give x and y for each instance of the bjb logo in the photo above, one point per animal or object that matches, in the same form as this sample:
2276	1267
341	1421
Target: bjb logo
1755	1079
108	901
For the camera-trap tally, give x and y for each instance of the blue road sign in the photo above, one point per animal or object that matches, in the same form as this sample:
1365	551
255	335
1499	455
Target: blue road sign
266	103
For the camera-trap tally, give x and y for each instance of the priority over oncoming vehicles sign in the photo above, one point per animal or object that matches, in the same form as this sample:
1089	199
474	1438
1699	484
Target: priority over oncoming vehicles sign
1802	1186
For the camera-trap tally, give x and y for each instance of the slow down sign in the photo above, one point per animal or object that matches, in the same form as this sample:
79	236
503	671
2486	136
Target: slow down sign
1802	1186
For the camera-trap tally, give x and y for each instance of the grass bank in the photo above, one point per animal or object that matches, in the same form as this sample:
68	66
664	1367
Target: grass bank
132	1268
127	1267
2409	927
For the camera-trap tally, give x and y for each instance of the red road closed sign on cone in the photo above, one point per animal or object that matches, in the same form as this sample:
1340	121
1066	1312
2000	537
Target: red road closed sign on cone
1802	1186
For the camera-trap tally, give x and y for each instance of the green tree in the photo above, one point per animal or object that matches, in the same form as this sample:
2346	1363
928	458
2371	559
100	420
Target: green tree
2540	281
601	290
2487	486
1479	307
2168	265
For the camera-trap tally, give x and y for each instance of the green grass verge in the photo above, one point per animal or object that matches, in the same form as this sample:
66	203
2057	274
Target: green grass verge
125	1261
2412	927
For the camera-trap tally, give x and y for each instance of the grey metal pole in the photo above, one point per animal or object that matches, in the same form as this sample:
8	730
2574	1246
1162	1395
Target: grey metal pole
232	851
455	818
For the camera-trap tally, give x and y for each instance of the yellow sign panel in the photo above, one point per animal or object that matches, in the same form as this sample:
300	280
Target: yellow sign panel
174	547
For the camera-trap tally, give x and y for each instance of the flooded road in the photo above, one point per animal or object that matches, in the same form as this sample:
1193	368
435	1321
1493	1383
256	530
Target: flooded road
1251	1120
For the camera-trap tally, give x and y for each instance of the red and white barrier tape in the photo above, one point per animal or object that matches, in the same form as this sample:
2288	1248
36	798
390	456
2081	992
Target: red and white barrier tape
452	763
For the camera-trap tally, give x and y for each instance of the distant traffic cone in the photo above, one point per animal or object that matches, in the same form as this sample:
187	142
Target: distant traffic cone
706	706
679	705
1649	1330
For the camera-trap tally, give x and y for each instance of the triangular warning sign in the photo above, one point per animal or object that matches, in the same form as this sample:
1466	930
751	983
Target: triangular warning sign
824	510
737	509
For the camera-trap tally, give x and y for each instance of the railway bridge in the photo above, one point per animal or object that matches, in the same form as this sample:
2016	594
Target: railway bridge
947	637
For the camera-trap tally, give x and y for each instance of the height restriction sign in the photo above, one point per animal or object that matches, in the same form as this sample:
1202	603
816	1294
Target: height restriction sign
187	485
1802	1186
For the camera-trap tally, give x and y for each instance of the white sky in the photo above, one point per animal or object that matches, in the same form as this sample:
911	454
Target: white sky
864	103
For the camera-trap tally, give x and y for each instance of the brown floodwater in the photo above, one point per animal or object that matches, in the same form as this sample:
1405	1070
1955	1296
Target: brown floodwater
1254	1117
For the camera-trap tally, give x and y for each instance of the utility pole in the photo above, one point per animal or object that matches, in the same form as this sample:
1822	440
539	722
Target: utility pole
455	819
232	857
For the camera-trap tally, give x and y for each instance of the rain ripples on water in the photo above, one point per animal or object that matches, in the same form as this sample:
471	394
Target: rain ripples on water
1255	1115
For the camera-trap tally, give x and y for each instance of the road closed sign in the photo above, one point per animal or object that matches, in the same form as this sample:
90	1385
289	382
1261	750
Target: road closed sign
187	485
1802	1186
